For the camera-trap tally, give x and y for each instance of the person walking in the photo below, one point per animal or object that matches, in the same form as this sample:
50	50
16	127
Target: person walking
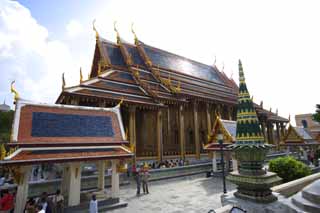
93	208
145	179
58	202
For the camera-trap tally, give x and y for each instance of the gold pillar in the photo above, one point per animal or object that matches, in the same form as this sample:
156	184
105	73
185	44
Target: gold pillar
208	118
196	130
159	136
132	131
181	133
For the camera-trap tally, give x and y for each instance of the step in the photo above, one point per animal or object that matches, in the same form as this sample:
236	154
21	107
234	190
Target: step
305	204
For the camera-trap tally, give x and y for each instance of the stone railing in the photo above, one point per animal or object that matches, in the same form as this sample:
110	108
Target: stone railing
292	187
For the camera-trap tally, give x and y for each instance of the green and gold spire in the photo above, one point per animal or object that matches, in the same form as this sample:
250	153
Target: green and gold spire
248	129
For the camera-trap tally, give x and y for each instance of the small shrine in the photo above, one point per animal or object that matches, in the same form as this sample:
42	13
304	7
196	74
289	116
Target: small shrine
228	129
250	150
67	135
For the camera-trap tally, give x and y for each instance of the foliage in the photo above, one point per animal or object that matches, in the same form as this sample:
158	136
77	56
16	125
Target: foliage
316	116
289	168
6	119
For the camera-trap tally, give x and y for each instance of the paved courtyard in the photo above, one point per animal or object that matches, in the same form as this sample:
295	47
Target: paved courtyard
188	194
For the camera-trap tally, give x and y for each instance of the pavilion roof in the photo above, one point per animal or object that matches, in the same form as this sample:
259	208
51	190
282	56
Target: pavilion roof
43	132
298	136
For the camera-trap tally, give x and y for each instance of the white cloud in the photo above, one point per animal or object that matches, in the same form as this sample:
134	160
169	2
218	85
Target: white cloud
74	28
28	56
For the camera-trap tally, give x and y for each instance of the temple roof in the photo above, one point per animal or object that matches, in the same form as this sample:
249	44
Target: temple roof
60	133
298	136
144	75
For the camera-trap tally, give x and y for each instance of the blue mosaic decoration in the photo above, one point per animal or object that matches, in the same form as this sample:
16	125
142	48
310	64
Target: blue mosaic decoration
115	55
180	64
46	124
135	55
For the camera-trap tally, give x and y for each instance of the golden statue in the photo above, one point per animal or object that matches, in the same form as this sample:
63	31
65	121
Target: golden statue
14	91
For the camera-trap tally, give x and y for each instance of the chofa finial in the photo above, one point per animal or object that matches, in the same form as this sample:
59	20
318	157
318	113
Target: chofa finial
81	76
115	29
63	82
14	91
136	41
94	29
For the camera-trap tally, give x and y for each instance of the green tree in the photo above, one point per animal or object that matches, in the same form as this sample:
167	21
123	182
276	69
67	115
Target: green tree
6	119
289	168
316	116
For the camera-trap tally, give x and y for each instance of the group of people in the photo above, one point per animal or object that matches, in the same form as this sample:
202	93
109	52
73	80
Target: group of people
46	204
141	175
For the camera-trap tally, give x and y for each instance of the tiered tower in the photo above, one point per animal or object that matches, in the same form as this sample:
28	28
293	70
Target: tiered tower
250	150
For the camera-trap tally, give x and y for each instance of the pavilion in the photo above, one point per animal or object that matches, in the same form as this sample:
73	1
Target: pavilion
67	135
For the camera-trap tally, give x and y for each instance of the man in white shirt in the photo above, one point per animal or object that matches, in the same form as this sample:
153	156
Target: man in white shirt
93	208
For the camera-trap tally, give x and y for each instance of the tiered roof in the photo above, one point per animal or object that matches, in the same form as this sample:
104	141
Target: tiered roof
299	136
61	133
150	77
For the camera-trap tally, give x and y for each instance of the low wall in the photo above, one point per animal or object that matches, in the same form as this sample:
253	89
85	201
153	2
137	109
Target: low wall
292	187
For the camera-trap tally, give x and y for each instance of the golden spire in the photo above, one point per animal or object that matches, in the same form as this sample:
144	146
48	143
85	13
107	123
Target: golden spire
14	91
94	29
136	41
63	82
81	76
115	29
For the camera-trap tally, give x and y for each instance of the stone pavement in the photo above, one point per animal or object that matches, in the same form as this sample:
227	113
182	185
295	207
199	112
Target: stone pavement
187	194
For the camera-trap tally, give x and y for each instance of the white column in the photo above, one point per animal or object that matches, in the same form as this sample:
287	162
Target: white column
234	162
115	180
74	184
23	187
101	170
65	180
214	162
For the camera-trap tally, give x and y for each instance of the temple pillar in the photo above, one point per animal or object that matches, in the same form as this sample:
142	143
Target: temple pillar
74	184
214	161
230	113
132	131
74	101
101	165
115	186
263	127
181	132
283	129
208	118
196	130
65	180
22	189
278	135
159	136
234	162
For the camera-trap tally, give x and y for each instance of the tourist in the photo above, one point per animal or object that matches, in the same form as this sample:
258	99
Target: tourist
58	202
145	179
137	178
6	202
93	208
30	206
39	209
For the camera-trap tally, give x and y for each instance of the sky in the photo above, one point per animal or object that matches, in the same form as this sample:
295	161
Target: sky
277	42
